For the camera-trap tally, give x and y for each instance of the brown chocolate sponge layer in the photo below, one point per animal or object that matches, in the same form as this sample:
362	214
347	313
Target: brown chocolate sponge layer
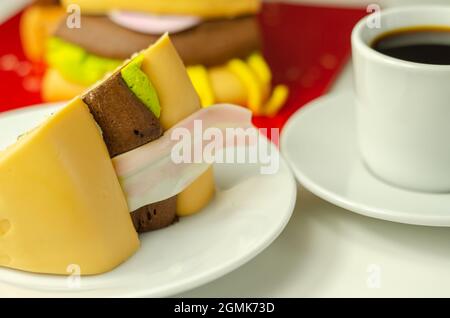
125	121
211	43
155	216
126	124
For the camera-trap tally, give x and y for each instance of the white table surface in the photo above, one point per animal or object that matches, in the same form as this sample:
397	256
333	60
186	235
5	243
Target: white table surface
326	251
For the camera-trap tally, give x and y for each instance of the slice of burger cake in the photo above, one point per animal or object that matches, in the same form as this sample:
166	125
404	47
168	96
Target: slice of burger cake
134	106
63	203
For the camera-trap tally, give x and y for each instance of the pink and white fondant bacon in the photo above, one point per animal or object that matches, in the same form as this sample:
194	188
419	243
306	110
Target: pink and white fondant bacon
153	24
154	172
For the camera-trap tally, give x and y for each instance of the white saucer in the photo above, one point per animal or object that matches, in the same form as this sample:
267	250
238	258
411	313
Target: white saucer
249	211
319	143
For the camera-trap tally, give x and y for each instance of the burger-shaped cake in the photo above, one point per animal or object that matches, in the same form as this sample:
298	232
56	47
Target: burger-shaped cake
219	41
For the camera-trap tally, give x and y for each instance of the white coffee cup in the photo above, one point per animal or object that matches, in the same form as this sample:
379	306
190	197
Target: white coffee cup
403	108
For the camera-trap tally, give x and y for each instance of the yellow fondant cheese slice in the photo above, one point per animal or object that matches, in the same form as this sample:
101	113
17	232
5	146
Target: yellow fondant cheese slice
197	195
166	71
201	8
178	100
61	204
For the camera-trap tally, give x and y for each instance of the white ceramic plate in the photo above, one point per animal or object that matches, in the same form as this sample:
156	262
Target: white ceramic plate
319	143
249	211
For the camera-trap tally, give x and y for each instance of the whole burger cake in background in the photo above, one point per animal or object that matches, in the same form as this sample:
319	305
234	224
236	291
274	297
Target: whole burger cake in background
219	41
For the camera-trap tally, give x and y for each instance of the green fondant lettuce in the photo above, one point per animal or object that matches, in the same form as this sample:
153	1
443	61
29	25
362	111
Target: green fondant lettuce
81	67
77	65
138	82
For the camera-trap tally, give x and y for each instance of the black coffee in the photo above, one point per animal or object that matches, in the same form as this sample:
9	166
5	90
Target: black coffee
428	45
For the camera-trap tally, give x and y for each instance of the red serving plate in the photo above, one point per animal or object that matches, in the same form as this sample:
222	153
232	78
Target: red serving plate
306	47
